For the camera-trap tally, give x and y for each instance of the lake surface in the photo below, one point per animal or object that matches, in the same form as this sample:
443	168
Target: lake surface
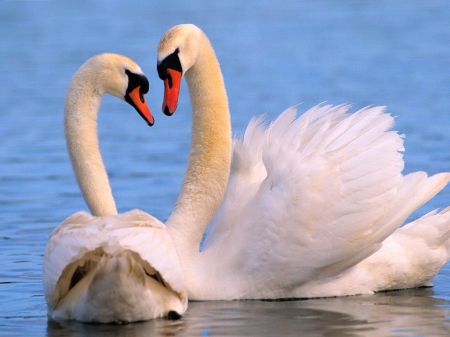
274	54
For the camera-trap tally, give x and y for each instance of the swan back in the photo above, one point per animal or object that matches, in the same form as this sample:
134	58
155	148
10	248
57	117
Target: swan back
112	269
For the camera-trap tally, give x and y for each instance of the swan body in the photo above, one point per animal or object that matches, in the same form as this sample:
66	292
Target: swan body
108	267
308	206
119	268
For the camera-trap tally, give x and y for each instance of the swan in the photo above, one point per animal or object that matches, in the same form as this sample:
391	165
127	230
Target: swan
304	207
108	267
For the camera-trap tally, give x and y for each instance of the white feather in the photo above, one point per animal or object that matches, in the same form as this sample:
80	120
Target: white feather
313	206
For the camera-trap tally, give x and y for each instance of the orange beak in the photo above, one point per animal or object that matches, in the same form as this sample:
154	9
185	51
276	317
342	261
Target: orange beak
171	91
141	105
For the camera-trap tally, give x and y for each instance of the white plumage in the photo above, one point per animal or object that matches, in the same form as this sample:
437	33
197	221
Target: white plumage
313	206
108	267
127	265
309	198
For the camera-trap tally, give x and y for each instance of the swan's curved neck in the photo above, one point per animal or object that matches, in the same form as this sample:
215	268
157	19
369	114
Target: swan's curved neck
208	166
80	122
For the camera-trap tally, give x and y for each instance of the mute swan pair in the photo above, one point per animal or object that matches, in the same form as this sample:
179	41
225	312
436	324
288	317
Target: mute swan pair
305	207
108	267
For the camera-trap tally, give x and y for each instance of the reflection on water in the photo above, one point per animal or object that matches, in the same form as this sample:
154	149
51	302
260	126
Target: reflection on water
400	313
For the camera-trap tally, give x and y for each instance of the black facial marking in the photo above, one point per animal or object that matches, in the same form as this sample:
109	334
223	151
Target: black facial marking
173	315
170	62
137	80
169	78
134	81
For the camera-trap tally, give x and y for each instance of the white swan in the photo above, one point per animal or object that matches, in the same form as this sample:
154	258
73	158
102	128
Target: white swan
312	206
108	267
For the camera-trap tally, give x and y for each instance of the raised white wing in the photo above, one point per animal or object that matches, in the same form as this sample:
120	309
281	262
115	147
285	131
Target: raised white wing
312	196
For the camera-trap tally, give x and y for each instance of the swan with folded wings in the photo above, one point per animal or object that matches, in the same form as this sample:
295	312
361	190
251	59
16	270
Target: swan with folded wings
108	267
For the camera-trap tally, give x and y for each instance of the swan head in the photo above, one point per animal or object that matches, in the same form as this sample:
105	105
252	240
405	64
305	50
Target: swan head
178	51
119	76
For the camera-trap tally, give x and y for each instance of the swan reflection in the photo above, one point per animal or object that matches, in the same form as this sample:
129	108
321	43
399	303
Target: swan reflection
399	313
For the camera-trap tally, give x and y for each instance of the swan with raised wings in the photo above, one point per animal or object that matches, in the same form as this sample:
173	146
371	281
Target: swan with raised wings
306	207
108	267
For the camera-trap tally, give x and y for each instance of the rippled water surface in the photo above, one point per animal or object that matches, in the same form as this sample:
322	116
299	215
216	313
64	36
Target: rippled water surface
274	54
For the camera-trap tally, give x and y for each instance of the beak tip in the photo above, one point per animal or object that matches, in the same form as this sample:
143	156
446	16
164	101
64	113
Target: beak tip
167	111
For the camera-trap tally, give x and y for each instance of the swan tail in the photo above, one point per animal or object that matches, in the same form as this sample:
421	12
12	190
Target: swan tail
421	248
433	228
416	190
409	258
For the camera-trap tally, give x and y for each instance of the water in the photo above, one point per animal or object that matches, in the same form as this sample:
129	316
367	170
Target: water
273	55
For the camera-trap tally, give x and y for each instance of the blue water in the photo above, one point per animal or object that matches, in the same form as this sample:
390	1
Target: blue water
273	54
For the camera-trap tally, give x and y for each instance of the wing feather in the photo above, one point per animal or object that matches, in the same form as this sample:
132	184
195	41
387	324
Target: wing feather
317	194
